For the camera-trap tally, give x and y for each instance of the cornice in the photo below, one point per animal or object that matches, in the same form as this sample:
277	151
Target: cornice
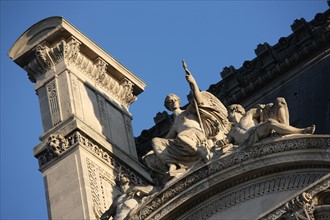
46	57
53	28
272	62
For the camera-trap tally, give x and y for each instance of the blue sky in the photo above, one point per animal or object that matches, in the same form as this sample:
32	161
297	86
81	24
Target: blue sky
150	38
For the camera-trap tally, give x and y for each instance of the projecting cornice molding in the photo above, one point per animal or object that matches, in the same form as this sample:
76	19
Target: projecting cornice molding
293	152
54	39
47	57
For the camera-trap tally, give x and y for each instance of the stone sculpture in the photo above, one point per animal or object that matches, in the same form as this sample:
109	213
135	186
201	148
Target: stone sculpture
258	123
206	126
195	130
127	202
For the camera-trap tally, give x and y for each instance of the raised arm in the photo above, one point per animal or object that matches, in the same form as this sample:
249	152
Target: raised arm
193	84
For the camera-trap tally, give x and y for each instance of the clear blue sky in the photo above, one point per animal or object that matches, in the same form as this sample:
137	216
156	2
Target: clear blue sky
150	38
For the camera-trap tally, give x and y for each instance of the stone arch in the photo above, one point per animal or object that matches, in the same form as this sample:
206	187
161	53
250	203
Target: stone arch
272	170
256	193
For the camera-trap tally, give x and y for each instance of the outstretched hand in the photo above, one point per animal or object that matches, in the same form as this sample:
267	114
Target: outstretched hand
189	77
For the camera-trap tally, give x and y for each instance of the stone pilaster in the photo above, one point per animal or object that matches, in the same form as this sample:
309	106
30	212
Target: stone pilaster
84	97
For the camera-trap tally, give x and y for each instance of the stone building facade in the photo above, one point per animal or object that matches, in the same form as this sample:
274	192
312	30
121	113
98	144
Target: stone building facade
84	95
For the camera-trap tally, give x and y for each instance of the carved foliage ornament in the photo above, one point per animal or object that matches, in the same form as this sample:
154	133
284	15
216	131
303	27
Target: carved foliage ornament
57	145
46	58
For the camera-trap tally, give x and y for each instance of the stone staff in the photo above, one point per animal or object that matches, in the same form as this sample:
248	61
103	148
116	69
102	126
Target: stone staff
185	67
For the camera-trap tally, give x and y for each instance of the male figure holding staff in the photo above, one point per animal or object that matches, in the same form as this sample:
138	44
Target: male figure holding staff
194	131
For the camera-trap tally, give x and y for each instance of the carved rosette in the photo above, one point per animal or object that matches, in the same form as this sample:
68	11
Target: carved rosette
47	57
58	145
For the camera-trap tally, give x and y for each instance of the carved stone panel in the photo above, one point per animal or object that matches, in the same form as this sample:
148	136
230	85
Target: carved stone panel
101	186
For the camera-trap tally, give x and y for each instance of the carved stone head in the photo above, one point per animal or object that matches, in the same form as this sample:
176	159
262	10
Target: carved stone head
172	102
122	179
235	113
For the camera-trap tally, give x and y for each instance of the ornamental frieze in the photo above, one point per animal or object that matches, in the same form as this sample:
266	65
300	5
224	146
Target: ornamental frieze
58	145
48	56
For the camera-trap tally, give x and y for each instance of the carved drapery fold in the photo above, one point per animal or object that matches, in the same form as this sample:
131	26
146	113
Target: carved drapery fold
47	57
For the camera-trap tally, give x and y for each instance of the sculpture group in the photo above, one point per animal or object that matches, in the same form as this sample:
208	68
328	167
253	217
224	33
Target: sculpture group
203	131
207	129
